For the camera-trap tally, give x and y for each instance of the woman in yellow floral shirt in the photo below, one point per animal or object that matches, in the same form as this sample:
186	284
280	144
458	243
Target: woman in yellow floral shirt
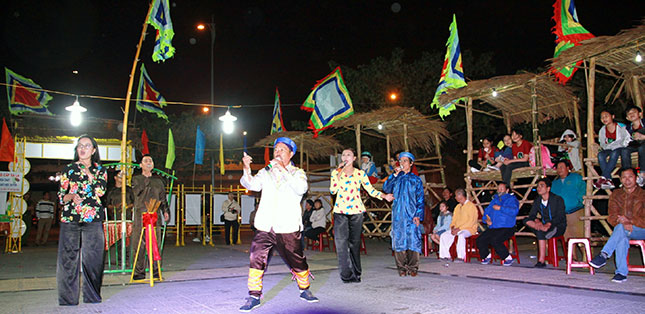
346	184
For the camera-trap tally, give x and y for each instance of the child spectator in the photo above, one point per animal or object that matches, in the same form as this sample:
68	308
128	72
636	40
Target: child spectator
613	139
443	222
521	151
485	158
572	148
505	151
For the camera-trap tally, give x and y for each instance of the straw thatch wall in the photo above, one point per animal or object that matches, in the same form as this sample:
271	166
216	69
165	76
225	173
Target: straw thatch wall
514	96
321	146
421	131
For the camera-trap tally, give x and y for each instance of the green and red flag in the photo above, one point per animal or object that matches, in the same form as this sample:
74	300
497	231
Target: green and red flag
276	122
160	20
452	73
7	145
148	97
24	95
569	33
328	102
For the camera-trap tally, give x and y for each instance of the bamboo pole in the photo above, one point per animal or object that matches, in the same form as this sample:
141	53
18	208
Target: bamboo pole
576	118
437	147
637	92
591	81
387	147
302	146
405	137
534	122
357	131
124	134
469	130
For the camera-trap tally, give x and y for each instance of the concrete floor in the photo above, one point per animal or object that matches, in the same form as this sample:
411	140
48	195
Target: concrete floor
205	279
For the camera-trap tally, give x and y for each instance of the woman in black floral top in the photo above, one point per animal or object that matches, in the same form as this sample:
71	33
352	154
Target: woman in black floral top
82	184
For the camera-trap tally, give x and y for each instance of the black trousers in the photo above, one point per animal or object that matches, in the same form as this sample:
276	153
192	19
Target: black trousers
347	237
227	228
80	244
142	258
313	233
494	238
507	170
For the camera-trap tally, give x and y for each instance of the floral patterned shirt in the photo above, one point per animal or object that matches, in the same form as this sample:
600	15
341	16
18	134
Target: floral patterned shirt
73	180
348	200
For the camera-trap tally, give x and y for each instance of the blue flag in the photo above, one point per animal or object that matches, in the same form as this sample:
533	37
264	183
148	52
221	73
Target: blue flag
200	142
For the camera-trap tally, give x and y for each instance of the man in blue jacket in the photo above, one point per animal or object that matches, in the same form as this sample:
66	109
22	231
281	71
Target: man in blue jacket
500	217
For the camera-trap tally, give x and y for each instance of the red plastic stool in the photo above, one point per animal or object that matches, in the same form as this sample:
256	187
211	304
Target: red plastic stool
471	248
552	256
425	244
323	242
637	268
363	247
514	254
574	264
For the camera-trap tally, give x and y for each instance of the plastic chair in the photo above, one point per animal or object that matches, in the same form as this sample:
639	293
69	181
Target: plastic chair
552	256
637	268
514	254
578	264
323	242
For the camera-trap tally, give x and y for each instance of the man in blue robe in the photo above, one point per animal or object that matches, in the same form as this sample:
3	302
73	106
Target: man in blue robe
407	213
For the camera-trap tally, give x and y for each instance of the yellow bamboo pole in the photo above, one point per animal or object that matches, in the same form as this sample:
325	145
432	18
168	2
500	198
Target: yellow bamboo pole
405	137
469	131
576	118
591	81
357	131
534	123
124	135
437	147
387	147
638	101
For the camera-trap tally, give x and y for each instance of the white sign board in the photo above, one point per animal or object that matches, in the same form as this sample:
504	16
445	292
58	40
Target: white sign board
10	181
173	209
193	209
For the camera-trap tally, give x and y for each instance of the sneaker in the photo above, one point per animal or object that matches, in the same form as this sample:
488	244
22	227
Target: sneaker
551	233
599	261
608	185
308	296
598	184
508	262
486	261
619	278
474	170
540	265
196	240
251	303
640	181
491	167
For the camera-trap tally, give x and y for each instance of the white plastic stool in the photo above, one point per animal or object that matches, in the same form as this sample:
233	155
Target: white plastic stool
571	263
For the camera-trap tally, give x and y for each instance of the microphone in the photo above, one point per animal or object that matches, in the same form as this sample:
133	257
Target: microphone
270	165
341	166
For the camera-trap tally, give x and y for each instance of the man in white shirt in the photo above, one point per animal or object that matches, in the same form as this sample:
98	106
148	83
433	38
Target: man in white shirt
231	210
45	213
278	220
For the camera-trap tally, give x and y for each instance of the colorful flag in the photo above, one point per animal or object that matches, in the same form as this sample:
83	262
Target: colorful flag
569	33
144	143
221	154
452	73
170	156
148	97
160	20
276	122
7	146
24	95
328	102
200	143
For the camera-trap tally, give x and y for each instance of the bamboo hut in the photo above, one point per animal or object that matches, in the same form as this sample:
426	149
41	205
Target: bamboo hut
518	98
402	128
615	57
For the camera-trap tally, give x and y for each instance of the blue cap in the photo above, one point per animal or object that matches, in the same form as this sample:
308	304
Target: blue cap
406	154
286	141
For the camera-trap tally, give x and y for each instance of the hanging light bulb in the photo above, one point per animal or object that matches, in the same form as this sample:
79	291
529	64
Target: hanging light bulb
227	122
638	58
75	117
494	93
380	126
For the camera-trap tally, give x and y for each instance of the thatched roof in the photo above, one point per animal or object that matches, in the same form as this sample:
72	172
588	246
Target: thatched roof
42	128
514	96
615	53
315	148
421	130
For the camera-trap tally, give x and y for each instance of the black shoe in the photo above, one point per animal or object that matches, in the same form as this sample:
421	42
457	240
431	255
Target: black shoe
139	277
599	261
619	278
251	303
540	265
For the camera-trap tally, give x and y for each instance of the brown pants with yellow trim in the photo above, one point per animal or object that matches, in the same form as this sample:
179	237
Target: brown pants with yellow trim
289	248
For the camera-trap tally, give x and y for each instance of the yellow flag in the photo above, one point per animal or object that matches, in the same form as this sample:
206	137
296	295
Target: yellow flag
221	154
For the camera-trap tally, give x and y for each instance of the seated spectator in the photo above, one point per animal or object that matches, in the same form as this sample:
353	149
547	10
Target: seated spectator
521	150
627	215
485	157
572	189
318	221
500	217
448	197
505	151
463	225
613	139
369	167
572	148
636	130
306	223
443	222
553	221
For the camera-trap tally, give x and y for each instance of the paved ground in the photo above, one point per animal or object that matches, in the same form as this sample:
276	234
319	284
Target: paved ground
213	280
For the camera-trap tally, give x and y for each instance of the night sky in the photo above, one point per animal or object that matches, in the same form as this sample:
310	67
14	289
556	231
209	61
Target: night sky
264	44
